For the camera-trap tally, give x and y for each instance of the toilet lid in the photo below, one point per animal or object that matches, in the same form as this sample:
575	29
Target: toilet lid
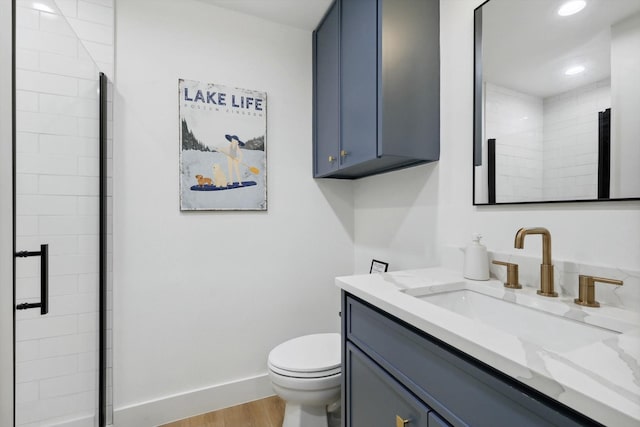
307	354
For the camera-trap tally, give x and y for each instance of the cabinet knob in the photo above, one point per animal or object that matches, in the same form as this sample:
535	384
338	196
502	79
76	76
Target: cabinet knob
587	289
401	422
332	159
344	153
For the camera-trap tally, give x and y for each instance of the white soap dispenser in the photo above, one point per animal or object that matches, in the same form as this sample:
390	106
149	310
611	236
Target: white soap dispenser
476	260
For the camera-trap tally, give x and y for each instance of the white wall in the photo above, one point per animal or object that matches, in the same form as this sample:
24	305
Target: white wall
396	218
625	104
201	297
580	231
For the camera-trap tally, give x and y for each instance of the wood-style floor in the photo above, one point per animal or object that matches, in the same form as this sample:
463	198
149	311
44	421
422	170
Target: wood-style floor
267	412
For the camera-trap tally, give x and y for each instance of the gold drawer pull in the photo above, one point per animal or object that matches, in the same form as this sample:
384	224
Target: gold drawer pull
401	422
332	159
344	153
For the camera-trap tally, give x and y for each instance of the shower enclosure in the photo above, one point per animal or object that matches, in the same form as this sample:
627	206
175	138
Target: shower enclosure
60	224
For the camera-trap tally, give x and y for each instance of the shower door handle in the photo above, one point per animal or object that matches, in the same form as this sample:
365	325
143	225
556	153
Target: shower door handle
43	253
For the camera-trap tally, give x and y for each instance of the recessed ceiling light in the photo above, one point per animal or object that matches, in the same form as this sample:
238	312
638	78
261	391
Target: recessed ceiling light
571	7
574	70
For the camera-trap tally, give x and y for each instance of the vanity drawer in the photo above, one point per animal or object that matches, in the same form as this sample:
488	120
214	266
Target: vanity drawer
375	398
459	388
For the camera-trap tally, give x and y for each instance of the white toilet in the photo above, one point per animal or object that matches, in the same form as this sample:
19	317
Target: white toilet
305	372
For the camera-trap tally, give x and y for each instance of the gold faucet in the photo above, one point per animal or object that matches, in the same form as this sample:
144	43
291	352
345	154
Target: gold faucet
512	274
587	289
546	268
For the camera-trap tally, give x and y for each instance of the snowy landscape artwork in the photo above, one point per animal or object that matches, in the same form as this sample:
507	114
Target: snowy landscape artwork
223	146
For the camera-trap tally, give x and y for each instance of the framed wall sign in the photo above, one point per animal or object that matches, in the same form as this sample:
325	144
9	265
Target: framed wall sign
223	145
378	266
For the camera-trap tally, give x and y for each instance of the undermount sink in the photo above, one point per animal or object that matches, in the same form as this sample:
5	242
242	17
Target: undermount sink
528	322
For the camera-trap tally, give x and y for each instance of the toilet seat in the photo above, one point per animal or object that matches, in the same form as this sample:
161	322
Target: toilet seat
294	374
300	384
309	356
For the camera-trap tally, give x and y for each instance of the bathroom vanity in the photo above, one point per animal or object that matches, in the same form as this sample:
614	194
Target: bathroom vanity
429	348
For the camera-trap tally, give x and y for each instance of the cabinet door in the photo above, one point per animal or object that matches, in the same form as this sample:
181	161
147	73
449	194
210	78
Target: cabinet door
436	421
409	118
359	85
327	94
375	399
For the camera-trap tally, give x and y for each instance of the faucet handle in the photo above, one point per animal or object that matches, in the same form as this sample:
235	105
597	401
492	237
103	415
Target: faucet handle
587	289
512	274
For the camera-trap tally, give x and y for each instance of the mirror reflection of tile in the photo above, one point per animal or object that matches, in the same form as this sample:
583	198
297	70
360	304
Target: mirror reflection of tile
555	104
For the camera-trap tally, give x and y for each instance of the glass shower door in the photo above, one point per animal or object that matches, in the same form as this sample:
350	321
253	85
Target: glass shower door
57	222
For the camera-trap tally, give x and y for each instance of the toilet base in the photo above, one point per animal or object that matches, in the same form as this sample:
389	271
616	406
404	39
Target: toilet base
296	415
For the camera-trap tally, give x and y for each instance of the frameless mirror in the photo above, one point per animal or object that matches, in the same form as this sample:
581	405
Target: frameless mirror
556	101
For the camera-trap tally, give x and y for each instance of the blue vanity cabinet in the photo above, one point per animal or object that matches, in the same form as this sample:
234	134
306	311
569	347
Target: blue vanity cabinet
387	112
436	421
375	398
433	377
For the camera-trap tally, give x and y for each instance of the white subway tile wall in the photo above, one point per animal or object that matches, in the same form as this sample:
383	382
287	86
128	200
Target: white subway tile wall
57	203
571	141
546	149
515	120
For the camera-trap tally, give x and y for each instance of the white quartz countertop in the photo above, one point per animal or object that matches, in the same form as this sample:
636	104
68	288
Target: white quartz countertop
600	380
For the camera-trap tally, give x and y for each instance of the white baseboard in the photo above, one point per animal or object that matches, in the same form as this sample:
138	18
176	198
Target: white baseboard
191	403
78	422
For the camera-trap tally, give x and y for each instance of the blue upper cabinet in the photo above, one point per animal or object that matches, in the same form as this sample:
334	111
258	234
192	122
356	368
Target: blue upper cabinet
359	89
326	94
376	87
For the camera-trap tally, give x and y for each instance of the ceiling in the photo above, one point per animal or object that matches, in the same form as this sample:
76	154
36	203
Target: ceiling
527	46
303	14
